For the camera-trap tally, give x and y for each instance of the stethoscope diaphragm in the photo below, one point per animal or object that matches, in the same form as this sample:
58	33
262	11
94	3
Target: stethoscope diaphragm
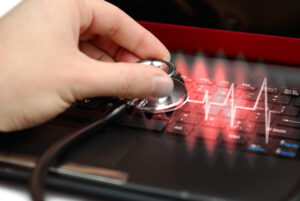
177	98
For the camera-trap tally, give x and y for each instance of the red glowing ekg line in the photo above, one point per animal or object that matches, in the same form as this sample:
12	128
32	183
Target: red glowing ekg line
234	107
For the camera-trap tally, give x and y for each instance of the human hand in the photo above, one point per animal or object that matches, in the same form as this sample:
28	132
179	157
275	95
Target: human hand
53	53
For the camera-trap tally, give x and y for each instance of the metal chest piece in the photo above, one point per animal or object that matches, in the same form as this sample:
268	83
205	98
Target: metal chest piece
175	100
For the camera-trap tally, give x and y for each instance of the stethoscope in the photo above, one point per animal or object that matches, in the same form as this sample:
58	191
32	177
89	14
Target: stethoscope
177	98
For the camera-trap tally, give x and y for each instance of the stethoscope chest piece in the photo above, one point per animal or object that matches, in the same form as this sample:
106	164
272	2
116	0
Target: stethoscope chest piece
175	100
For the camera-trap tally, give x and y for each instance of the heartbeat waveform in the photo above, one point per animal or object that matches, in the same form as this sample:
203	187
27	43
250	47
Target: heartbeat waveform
263	91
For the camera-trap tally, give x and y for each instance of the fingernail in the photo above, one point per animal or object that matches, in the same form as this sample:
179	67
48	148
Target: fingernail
161	86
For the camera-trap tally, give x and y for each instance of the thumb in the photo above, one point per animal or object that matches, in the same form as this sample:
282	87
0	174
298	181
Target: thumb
126	80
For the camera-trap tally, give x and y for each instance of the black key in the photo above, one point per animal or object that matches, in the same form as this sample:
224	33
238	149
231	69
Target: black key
285	153
234	138
179	129
297	102
290	111
282	132
279	99
289	122
290	92
143	123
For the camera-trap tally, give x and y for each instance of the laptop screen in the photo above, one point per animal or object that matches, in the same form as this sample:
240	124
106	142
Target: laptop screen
264	17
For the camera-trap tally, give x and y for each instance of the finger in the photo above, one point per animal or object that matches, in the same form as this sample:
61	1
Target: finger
118	53
108	20
93	52
92	78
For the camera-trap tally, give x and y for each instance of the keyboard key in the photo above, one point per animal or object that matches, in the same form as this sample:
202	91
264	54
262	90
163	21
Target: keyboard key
258	146
290	92
271	90
289	122
180	129
246	87
297	102
213	110
142	123
289	144
242	126
249	95
189	107
279	99
286	153
187	117
290	111
235	138
282	132
201	89
239	114
224	84
205	81
215	122
258	117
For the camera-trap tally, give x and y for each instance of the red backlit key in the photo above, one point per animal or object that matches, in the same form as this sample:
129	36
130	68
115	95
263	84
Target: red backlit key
235	138
179	129
271	90
200	89
215	122
205	81
187	117
224	84
247	87
242	126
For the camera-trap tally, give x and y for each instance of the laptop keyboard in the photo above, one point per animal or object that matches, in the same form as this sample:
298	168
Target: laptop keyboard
248	131
192	122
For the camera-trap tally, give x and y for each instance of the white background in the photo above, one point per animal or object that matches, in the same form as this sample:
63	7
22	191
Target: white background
6	5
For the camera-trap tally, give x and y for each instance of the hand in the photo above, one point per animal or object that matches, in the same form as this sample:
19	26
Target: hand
53	53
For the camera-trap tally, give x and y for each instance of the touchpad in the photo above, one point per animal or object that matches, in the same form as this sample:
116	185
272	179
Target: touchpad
103	150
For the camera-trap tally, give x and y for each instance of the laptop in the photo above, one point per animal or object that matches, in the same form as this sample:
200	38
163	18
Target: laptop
236	138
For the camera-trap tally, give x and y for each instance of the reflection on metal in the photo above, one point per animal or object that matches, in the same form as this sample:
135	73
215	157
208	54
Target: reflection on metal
71	169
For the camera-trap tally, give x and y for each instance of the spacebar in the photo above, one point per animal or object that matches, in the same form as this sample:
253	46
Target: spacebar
148	124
